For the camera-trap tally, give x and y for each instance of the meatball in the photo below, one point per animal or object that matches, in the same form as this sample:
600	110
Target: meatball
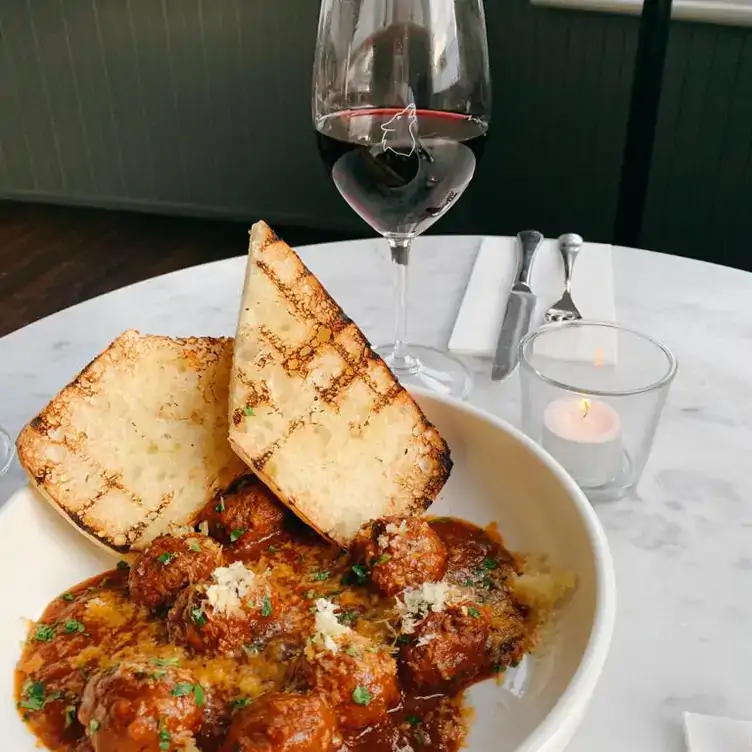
169	564
400	552
243	518
359	679
140	705
283	722
448	650
235	607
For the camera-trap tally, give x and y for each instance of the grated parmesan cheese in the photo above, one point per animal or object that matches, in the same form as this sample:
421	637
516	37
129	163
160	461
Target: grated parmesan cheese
328	628
203	527
392	529
417	602
231	586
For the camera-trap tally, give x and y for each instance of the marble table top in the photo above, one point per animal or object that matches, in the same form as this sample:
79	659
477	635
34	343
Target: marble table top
681	543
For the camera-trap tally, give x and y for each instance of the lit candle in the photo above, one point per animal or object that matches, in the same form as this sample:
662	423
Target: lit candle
584	435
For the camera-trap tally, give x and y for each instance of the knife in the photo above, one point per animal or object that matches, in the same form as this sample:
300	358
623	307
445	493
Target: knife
520	306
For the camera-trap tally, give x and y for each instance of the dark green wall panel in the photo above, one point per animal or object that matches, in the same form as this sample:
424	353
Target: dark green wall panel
202	106
701	186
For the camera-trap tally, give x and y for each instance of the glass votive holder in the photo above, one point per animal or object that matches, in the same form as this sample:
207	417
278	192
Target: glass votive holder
592	396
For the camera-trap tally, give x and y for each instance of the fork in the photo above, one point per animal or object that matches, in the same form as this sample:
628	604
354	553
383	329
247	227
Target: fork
565	309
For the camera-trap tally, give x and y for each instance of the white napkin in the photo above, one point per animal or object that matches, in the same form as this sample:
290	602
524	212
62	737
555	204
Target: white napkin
476	330
709	733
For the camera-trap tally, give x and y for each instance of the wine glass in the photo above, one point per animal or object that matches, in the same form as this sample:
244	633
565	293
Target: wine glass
401	107
6	451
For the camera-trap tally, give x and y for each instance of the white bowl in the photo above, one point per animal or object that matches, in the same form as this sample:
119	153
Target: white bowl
499	476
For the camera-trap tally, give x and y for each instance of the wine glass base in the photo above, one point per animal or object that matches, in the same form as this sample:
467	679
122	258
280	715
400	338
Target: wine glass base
431	369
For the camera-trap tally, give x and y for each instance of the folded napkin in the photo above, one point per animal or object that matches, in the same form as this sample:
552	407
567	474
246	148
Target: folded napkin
476	330
709	733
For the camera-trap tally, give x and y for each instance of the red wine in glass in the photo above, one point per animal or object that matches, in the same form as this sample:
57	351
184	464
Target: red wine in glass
400	169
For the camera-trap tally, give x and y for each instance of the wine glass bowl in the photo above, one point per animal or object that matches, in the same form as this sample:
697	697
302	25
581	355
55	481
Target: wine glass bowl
401	105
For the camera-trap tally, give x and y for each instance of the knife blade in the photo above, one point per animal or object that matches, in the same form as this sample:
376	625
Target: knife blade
520	307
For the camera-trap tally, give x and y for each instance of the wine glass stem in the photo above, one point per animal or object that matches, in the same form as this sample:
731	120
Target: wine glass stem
400	359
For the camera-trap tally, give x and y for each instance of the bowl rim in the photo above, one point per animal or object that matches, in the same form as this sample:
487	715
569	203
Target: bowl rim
564	716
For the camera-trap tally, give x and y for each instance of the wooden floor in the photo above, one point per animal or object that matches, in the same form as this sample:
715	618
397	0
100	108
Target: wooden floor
53	257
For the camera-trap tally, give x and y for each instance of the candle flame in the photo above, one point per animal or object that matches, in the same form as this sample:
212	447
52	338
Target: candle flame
600	357
585	405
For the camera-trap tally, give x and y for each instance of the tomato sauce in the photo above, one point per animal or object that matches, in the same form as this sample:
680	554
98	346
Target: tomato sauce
95	626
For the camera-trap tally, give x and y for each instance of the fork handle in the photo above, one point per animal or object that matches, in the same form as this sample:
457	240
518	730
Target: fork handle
569	246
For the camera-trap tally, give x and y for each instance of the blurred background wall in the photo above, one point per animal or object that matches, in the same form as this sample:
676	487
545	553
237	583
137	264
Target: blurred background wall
201	107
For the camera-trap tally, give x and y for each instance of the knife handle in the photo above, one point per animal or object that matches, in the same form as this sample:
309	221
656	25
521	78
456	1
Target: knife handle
529	241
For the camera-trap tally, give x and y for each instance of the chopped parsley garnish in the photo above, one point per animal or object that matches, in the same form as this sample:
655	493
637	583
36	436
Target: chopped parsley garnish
238	532
266	609
70	715
361	696
198	617
165	661
273	549
157	675
347	617
383	559
469	583
240	702
181	689
319	576
67	597
123	565
44	633
413	720
473	612
198	694
488	564
32	696
94	726
360	572
403	639
221	506
353	651
248	411
73	625
164	738
165	558
194	546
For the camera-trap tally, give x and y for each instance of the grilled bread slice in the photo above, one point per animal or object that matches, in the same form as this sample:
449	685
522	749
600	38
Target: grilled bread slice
137	443
315	413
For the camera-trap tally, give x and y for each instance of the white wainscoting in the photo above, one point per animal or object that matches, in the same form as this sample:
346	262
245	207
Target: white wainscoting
737	13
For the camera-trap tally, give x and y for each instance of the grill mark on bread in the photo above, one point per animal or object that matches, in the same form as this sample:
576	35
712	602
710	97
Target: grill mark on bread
110	482
294	426
135	531
335	319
